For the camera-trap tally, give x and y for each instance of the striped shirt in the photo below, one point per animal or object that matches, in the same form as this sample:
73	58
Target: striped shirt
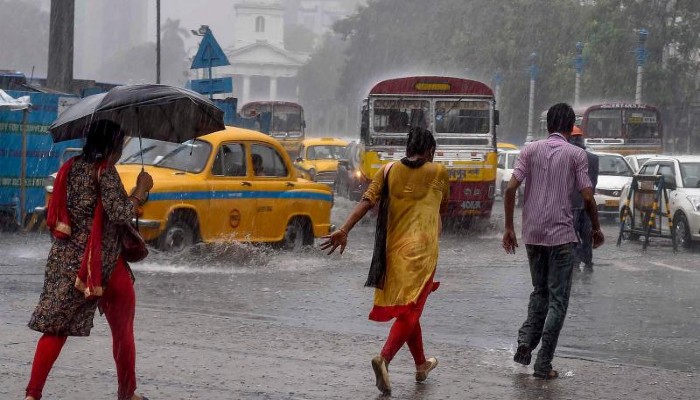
553	169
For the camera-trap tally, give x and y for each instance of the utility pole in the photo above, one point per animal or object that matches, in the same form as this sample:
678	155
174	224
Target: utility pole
534	71
497	82
641	60
157	41
60	69
578	66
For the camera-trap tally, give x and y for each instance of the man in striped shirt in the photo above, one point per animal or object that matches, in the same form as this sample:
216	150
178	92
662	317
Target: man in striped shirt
554	169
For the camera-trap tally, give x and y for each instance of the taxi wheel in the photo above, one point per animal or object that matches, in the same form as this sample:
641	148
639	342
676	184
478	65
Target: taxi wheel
297	235
177	237
680	226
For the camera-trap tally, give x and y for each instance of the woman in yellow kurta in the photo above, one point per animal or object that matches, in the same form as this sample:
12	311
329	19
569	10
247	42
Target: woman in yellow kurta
417	188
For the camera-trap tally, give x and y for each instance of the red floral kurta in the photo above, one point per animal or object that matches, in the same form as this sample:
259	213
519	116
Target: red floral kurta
62	309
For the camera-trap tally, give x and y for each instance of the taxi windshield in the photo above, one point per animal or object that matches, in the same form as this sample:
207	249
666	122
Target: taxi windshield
190	156
151	150
325	152
462	117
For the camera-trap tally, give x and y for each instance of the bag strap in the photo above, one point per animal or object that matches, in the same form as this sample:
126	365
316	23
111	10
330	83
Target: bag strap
387	168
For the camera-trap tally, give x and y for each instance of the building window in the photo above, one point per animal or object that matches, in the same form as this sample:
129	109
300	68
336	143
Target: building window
259	24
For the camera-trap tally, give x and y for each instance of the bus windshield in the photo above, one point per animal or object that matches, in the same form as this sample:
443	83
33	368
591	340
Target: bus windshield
604	124
287	118
642	124
397	116
462	117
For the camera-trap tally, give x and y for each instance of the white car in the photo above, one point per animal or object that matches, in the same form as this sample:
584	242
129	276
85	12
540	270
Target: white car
613	173
506	164
637	160
682	177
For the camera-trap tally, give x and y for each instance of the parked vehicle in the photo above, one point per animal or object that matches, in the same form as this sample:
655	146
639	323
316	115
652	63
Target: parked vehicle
231	185
637	160
350	181
682	179
504	171
317	159
613	173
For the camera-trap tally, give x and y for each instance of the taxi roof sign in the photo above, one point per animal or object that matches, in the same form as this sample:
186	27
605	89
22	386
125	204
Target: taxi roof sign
209	53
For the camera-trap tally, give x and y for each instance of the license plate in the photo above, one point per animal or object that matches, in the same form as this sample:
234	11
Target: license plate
612	203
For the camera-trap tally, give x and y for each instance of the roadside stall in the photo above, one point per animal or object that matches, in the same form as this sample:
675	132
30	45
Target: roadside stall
9	210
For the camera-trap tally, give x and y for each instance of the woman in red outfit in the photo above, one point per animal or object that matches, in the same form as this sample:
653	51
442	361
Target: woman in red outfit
88	208
410	192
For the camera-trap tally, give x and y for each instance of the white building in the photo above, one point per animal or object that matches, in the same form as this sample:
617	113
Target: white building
260	66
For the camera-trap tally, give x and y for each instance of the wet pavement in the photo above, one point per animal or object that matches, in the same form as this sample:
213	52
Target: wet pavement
241	321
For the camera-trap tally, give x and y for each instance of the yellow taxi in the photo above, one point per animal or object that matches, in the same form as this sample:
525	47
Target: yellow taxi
317	159
231	185
506	146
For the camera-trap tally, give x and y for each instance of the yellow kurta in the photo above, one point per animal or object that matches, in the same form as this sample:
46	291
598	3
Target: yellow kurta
415	196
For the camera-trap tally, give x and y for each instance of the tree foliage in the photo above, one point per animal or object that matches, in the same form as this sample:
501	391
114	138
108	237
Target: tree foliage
390	38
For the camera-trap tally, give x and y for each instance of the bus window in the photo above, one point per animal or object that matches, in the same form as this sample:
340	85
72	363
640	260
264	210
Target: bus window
462	117
397	116
641	124
604	124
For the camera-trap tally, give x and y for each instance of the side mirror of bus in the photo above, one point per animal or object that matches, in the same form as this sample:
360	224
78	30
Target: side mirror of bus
303	123
496	117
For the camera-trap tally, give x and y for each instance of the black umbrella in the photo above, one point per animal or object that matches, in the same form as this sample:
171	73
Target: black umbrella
158	112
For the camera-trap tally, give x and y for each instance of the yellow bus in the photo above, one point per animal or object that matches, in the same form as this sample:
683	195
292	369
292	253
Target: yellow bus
462	115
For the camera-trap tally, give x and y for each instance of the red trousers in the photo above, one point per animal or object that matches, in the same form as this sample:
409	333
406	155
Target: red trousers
118	304
406	329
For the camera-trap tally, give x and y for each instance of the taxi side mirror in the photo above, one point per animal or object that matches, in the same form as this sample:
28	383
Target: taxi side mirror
299	159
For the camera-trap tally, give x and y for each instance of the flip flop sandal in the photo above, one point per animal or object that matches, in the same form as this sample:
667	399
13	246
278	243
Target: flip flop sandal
381	372
423	374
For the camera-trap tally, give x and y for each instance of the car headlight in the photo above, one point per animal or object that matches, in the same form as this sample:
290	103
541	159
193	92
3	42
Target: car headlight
48	183
695	202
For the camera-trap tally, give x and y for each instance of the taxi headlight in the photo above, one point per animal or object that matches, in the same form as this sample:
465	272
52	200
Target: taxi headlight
695	202
48	183
358	174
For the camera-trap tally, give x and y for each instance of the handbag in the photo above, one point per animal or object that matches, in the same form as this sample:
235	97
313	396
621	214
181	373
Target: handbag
133	246
377	268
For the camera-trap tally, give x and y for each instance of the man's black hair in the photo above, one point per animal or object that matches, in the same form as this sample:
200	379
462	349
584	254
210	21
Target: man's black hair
104	138
560	118
420	141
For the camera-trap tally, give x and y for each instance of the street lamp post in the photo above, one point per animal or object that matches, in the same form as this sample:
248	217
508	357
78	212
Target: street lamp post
157	41
534	71
578	66
497	81
641	60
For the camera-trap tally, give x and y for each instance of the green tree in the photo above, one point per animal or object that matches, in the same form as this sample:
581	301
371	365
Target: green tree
299	38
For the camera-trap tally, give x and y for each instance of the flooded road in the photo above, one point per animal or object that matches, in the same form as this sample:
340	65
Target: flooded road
637	309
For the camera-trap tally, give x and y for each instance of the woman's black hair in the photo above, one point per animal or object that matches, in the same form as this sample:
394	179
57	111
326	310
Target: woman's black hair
104	138
420	141
560	118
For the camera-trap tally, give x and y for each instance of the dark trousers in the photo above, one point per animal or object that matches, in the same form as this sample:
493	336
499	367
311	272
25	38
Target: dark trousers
551	270
583	251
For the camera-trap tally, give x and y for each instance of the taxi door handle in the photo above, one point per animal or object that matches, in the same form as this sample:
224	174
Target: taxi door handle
290	184
246	183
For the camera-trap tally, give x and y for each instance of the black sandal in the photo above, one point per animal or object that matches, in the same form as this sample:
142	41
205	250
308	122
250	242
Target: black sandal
523	355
